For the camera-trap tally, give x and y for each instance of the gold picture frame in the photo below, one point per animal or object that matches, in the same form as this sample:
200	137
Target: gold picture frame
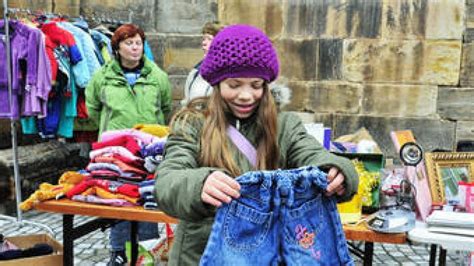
444	170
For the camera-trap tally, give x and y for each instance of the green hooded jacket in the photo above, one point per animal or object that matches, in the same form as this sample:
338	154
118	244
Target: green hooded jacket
113	104
180	178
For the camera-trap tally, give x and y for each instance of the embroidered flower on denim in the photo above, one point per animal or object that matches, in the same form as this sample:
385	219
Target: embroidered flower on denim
304	238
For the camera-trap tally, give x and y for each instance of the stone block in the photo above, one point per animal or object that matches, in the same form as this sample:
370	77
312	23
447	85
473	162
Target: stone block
330	59
157	44
445	19
184	16
315	18
430	133
456	103
400	100
333	19
443	62
404	19
470	15
468	35
465	130
264	14
407	61
176	54
334	97
467	66
300	93
324	97
140	12
32	5
69	7
177	86
298	58
414	19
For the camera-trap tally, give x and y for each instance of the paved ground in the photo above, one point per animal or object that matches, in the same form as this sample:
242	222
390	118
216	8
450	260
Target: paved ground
93	248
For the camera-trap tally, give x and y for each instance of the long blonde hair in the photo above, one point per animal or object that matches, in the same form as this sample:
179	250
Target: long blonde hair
214	140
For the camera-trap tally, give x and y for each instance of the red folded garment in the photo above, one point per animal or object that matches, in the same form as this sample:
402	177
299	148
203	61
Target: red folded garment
111	186
128	142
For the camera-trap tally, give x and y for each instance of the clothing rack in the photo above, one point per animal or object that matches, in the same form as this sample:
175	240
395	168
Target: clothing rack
99	19
107	20
16	168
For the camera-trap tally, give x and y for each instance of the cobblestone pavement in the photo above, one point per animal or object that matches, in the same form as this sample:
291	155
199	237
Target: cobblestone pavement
92	249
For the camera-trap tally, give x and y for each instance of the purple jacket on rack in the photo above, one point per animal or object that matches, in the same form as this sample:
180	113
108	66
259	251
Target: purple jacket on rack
28	53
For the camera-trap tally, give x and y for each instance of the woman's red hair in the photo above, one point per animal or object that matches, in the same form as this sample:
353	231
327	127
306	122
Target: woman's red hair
124	32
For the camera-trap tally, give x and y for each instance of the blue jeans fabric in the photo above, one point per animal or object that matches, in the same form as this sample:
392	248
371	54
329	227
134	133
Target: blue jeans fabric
281	218
120	234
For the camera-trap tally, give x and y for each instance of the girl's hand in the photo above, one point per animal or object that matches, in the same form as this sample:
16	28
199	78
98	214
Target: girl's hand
219	188
335	182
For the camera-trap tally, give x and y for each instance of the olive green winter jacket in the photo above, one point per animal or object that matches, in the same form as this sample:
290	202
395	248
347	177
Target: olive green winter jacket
113	104
180	178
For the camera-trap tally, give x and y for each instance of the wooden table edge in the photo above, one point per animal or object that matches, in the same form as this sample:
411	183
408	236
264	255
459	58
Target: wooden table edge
362	233
137	213
65	206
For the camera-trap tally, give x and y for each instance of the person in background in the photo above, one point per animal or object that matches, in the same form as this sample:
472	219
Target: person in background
201	162
126	91
195	85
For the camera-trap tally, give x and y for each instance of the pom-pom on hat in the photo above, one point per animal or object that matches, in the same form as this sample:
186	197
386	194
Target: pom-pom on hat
240	51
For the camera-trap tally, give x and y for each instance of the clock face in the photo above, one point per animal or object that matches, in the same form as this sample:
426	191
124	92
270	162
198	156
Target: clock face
411	153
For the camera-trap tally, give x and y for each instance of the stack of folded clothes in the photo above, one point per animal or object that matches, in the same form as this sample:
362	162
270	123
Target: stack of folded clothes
121	169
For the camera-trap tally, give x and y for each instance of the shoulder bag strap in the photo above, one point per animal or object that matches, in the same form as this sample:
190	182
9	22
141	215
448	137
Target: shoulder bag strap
243	144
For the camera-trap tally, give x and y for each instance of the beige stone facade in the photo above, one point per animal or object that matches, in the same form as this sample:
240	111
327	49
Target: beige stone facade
383	64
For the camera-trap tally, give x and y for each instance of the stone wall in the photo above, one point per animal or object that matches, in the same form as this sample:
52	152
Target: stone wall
383	64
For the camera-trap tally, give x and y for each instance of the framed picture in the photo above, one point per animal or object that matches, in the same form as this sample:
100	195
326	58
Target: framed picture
445	170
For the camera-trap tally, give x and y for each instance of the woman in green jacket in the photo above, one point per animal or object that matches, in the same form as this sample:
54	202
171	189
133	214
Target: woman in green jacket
128	90
201	162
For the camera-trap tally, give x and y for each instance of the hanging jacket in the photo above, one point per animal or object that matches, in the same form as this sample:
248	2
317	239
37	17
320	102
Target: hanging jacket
59	36
113	104
86	47
103	45
25	56
180	180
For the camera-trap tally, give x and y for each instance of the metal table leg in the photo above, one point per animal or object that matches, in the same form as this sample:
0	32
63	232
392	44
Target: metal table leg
134	242
68	240
355	250
368	253
70	233
442	256
433	250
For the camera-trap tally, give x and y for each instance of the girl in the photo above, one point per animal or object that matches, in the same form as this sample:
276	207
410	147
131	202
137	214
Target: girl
201	161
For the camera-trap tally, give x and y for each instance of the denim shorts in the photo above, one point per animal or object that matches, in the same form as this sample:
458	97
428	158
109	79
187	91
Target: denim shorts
281	218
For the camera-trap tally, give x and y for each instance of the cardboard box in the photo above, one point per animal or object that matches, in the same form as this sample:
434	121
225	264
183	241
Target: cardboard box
27	241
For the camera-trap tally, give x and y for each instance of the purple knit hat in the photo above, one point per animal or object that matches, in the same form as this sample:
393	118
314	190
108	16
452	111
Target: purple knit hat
240	51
